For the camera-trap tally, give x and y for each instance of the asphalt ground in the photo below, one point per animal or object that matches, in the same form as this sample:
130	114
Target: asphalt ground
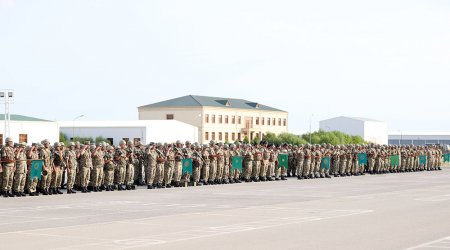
393	211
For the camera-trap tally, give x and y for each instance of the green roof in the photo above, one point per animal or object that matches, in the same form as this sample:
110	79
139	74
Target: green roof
22	118
207	101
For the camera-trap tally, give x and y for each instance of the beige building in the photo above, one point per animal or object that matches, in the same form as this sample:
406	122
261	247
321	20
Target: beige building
219	119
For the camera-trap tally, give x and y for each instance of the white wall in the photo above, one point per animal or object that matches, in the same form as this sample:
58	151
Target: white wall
116	133
345	125
171	131
36	130
376	132
147	131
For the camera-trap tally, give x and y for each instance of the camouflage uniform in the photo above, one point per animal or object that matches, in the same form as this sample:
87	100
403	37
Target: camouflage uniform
70	157
20	173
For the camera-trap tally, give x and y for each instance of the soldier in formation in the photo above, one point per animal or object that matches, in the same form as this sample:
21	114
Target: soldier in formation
101	167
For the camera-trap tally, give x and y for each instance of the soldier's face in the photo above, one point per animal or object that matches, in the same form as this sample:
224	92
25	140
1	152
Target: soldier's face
10	143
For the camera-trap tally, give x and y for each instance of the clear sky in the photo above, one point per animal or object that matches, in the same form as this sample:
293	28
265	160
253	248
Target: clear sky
386	59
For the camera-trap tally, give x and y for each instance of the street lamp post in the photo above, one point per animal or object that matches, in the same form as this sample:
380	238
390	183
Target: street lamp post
310	121
7	97
73	126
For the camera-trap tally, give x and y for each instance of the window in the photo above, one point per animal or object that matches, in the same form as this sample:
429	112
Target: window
206	136
1	139
220	119
284	122
213	118
239	136
226	136
233	136
213	136
239	120
279	121
23	138
207	118
226	119
110	141
273	122
262	121
257	120
169	117
136	140
268	121
126	139
233	119
220	136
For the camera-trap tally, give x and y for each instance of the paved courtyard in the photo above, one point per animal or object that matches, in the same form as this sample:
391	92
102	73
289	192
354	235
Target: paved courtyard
396	211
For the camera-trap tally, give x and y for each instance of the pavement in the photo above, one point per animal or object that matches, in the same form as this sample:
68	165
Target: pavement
394	211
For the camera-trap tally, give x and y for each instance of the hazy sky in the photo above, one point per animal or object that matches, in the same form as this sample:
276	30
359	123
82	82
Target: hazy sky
386	59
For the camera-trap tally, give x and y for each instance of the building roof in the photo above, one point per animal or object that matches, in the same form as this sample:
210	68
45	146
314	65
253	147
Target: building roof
355	118
207	101
118	124
23	118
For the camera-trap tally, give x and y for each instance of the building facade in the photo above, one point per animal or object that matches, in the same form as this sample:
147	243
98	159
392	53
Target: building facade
219	119
419	138
142	131
29	129
370	130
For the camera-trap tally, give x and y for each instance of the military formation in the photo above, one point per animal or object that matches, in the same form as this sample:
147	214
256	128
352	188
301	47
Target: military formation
102	167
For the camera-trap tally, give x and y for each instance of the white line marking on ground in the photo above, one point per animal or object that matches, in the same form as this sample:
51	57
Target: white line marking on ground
434	244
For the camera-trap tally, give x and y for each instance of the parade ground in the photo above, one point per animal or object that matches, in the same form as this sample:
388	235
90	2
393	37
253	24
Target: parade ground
394	211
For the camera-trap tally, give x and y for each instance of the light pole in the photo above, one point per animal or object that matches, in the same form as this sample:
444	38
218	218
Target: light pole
7	97
310	121
73	126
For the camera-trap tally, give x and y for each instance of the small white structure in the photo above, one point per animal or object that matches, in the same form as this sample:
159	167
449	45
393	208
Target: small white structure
370	130
419	138
29	129
143	131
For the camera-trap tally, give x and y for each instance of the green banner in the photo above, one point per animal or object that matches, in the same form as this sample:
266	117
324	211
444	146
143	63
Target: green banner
325	163
394	160
283	161
422	160
36	169
236	163
362	159
187	165
446	157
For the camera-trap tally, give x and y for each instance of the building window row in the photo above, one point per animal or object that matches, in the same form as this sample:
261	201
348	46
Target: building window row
222	136
225	119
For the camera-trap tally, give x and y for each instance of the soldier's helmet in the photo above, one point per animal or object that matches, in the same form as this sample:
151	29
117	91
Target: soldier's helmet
8	139
62	144
46	141
71	143
238	144
187	143
211	142
178	142
122	142
130	143
56	144
92	147
23	144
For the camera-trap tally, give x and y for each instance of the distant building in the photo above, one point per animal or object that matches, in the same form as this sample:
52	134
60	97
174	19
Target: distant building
370	130
419	138
29	129
218	118
142	131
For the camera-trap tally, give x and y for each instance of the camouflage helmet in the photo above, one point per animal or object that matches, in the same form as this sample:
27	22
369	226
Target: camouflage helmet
71	143
46	141
122	142
62	144
187	143
92	147
130	143
23	144
8	139
56	144
178	142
